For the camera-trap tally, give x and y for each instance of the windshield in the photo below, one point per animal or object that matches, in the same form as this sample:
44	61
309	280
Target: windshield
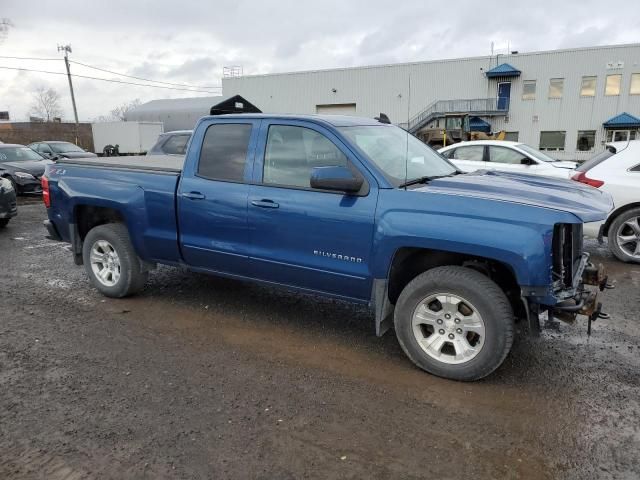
18	154
65	147
537	154
390	147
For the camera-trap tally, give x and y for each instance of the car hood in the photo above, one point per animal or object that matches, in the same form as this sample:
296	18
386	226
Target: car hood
34	167
587	203
78	154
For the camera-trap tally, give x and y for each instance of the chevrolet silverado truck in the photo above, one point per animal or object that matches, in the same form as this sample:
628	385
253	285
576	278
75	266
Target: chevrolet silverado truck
345	207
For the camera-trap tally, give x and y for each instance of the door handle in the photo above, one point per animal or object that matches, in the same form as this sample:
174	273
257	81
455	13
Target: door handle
194	195
264	203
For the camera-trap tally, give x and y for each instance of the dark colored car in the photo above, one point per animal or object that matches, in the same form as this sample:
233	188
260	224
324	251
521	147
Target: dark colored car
171	143
23	167
8	205
56	149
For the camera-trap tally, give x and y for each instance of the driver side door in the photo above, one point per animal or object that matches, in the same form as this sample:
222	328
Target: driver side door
304	237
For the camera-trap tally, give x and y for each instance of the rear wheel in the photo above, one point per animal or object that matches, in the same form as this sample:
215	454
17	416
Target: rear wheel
624	236
111	262
4	222
454	322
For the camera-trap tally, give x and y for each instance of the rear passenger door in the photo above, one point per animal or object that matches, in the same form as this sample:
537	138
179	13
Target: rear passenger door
300	236
469	158
212	196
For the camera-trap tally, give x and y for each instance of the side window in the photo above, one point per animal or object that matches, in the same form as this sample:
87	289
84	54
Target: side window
293	152
505	155
472	152
176	145
224	152
636	168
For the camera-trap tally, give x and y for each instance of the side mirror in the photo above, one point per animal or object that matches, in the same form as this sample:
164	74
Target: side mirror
339	179
526	161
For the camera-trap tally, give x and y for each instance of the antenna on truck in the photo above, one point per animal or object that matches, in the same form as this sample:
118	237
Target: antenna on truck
406	151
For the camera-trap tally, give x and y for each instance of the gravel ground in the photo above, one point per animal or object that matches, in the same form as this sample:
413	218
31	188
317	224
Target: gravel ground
200	377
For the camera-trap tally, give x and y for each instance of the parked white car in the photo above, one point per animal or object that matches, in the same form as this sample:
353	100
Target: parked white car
507	157
617	171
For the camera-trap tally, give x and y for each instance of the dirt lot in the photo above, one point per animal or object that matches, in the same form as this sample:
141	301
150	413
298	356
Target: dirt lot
200	377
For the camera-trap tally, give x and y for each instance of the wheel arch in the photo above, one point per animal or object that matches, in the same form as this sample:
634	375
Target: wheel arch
616	213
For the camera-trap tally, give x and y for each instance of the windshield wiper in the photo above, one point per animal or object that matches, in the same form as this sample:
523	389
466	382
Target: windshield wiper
426	179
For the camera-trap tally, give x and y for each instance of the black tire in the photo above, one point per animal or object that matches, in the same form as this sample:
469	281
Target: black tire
489	301
4	222
617	226
132	278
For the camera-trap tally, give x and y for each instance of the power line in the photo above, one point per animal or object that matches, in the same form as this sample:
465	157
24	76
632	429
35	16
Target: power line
30	58
106	80
140	78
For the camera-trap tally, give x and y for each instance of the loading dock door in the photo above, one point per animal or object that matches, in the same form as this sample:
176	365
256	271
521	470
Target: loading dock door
336	109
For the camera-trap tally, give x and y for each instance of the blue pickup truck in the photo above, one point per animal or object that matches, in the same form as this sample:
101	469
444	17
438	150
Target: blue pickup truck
347	207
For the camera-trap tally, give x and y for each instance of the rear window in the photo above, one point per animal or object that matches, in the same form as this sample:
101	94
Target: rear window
597	159
224	152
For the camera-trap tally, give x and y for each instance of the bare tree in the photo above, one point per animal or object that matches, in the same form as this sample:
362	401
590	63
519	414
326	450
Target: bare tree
46	103
120	112
5	24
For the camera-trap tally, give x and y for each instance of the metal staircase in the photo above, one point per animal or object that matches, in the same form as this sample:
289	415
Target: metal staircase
477	106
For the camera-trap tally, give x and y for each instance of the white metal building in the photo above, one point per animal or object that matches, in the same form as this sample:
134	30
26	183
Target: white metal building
564	101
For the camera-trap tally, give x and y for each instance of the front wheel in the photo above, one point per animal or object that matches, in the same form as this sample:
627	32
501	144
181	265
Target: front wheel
624	236
111	262
454	322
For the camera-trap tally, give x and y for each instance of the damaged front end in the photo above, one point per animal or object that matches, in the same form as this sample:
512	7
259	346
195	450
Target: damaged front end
572	272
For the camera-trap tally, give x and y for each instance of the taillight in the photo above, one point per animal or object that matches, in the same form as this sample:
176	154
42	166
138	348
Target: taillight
46	197
582	178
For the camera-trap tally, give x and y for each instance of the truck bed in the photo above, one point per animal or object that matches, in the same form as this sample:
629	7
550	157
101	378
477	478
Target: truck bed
158	163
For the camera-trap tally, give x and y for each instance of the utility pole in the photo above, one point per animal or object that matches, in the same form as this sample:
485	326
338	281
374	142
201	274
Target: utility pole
67	50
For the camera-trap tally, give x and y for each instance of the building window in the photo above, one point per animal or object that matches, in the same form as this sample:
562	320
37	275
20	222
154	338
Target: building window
622	135
588	87
552	140
635	84
511	136
586	140
529	90
556	86
612	86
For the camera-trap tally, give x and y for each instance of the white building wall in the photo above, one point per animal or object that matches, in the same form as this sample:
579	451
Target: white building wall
390	88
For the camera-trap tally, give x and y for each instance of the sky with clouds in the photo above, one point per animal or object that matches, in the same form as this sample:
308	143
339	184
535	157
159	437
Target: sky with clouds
189	42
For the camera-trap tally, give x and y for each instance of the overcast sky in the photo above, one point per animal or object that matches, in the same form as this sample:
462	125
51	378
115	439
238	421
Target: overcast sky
190	42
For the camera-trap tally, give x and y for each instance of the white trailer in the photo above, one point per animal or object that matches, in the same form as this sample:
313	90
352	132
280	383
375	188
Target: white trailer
132	138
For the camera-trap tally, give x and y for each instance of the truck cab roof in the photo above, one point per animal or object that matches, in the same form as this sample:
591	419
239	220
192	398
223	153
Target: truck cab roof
333	120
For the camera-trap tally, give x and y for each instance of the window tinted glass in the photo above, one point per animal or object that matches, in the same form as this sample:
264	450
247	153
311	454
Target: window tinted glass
400	155
17	154
505	155
224	152
44	148
636	168
65	147
472	152
292	152
176	145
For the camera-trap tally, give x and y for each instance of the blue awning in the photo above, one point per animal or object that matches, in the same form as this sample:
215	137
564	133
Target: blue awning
476	124
503	70
624	120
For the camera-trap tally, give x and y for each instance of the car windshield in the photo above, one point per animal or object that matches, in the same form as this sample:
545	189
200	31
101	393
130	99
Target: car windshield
537	154
18	154
65	147
398	154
